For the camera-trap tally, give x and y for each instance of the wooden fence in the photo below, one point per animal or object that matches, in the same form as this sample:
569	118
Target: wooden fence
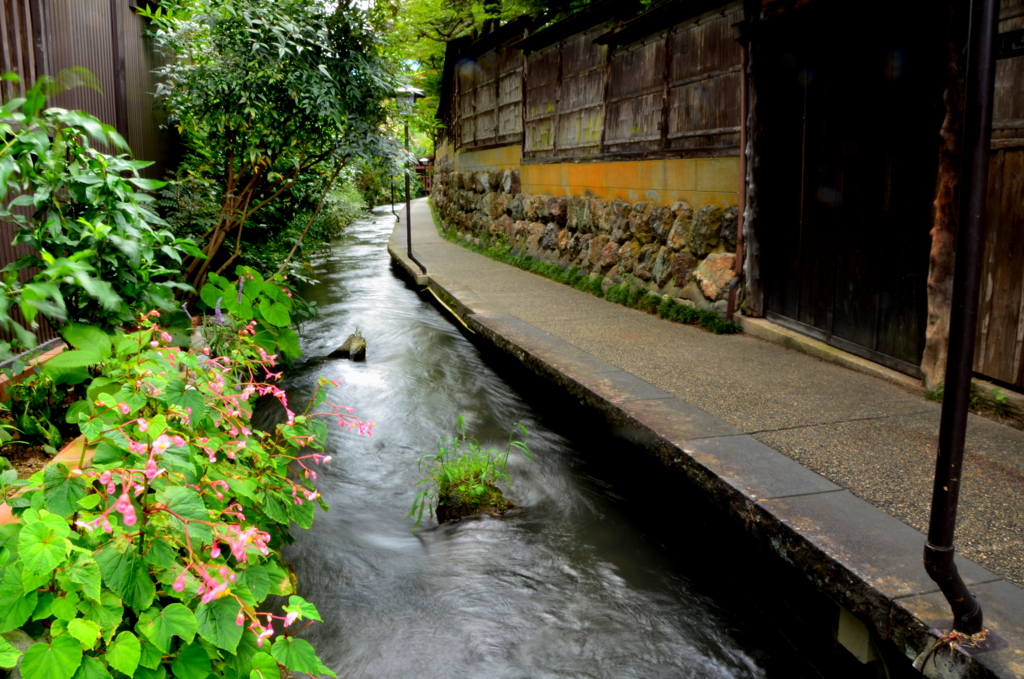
43	37
600	94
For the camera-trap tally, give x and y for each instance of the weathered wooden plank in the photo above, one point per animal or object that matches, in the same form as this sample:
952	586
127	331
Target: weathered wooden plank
510	119
541	101
539	135
510	88
638	70
582	91
705	45
704	105
580	54
634	120
580	129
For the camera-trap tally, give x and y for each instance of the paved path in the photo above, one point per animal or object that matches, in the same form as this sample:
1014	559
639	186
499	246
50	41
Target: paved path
865	435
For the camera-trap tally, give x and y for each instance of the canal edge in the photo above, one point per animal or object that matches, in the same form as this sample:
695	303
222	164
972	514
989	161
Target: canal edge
866	561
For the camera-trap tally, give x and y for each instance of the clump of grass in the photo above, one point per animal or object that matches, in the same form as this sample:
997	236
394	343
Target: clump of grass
983	401
463	477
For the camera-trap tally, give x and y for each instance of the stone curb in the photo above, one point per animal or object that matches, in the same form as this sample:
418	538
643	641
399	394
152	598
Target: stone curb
861	557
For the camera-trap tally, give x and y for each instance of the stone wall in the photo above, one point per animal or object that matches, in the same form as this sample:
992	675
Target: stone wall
681	250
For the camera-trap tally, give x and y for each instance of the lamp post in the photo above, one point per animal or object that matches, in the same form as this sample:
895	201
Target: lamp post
407	97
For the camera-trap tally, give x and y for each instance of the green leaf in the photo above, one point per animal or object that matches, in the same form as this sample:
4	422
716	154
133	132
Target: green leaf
275	313
124	654
107	613
217	623
75	358
306	610
58	659
177	394
16	604
298	656
126	574
264	667
151	655
42	544
107	453
187	504
8	654
65	607
302	514
62	490
147	184
91	668
159	625
191	663
86	572
86	631
256	580
87	337
145	673
273	507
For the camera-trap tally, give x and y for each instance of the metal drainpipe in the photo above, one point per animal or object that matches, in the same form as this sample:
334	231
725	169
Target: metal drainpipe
408	209
734	283
970	244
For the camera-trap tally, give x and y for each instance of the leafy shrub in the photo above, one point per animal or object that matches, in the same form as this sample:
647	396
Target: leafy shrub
99	249
155	559
463	477
267	303
37	405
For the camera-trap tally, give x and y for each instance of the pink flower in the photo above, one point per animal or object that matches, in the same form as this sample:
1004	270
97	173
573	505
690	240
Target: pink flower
151	470
264	634
179	583
290	618
240	620
124	408
215	551
105	477
178	441
143	425
217	592
162	443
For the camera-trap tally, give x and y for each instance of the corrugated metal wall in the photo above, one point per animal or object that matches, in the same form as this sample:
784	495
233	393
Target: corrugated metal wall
43	37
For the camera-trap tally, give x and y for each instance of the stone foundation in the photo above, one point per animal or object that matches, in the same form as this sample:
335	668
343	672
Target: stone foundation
680	250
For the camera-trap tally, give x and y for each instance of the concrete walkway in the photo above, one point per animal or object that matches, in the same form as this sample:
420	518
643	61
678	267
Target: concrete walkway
832	466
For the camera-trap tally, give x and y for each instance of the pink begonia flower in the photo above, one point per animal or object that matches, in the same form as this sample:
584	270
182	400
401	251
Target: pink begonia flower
124	408
215	551
127	510
143	425
179	583
154	344
217	592
269	632
290	618
240	620
105	477
162	443
111	488
178	441
151	470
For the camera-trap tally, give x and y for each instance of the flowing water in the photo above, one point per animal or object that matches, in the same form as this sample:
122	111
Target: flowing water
568	586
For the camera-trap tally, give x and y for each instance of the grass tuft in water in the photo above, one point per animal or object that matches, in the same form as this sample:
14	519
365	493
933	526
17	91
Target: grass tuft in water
463	477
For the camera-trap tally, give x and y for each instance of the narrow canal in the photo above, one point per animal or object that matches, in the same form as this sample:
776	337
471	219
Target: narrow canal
571	585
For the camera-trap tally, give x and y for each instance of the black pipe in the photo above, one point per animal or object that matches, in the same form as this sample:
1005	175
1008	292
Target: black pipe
963	320
408	209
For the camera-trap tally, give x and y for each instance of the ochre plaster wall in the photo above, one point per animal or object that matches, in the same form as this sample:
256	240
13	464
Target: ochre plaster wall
698	181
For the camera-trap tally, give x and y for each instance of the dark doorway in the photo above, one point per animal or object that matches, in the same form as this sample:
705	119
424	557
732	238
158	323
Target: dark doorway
849	106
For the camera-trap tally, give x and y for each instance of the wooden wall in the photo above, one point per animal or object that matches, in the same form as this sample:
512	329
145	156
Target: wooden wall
674	93
999	352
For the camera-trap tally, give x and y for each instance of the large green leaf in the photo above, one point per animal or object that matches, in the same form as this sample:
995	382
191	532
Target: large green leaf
91	668
126	574
108	613
86	572
275	313
87	337
152	657
187	504
264	667
75	358
8	654
63	491
217	623
177	394
42	543
159	625
191	663
124	654
58	659
16	604
256	580
298	656
86	631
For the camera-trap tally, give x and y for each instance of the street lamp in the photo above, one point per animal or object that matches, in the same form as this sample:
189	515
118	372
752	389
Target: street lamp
407	97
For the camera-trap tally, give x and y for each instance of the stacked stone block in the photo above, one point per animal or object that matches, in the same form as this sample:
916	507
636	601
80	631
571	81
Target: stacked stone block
675	250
